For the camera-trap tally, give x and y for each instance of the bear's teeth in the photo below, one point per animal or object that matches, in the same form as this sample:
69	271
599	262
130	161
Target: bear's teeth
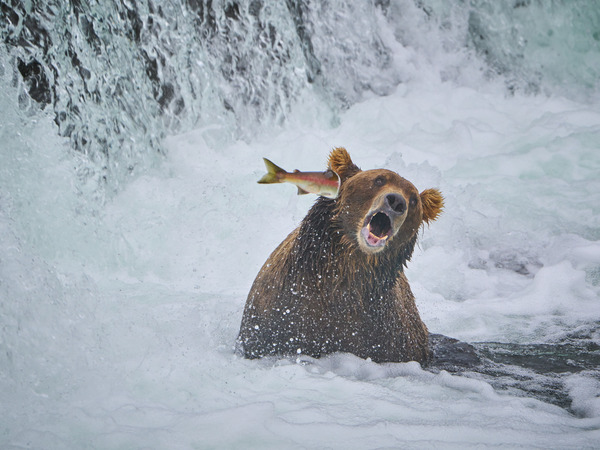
374	240
379	225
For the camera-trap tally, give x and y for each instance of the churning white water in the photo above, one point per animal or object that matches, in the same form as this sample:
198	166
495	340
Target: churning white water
123	277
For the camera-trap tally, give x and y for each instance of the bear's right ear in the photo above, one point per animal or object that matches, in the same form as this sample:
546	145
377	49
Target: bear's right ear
432	201
340	163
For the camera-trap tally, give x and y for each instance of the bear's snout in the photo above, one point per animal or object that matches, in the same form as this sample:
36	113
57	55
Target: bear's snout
396	203
382	222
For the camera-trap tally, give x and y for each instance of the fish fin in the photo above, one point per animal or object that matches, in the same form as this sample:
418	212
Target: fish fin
272	171
302	191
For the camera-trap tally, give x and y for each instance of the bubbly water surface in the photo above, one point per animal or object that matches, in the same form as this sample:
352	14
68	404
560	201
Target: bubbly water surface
131	224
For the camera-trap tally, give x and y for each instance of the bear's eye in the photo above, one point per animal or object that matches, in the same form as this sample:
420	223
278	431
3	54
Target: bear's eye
379	181
413	200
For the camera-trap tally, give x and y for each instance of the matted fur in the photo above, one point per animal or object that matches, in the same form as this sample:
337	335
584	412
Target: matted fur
319	292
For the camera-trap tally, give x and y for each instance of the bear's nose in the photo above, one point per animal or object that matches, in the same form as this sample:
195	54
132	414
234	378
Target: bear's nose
396	202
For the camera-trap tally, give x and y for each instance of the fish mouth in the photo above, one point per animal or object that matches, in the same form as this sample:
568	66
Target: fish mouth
377	230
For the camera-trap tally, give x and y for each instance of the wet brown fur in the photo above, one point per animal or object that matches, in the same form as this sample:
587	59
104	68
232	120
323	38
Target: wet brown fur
320	293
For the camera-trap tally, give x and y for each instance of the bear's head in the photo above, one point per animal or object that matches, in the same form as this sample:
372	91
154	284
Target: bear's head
378	211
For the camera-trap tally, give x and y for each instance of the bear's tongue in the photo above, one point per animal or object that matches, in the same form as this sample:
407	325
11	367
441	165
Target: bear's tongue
373	240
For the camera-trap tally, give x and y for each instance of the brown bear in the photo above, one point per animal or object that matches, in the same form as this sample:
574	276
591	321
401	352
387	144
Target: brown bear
336	283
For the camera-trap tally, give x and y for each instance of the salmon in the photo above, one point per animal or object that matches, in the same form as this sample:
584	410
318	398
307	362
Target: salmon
325	184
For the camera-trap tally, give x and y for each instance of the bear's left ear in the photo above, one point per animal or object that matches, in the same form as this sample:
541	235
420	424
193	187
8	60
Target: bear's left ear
433	203
340	163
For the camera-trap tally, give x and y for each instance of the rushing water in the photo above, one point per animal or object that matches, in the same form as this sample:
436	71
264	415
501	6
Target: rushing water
131	226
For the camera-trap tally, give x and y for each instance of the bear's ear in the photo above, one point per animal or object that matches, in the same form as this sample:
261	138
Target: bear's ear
340	163
433	203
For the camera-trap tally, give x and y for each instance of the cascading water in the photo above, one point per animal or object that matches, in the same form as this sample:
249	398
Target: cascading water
131	225
119	76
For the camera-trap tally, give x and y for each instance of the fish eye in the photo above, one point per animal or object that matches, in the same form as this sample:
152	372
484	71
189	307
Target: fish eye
413	200
379	181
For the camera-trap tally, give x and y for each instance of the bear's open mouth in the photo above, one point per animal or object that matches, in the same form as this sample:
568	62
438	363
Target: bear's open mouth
377	229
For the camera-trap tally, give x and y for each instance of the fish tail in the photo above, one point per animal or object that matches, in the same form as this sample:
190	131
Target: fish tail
272	171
